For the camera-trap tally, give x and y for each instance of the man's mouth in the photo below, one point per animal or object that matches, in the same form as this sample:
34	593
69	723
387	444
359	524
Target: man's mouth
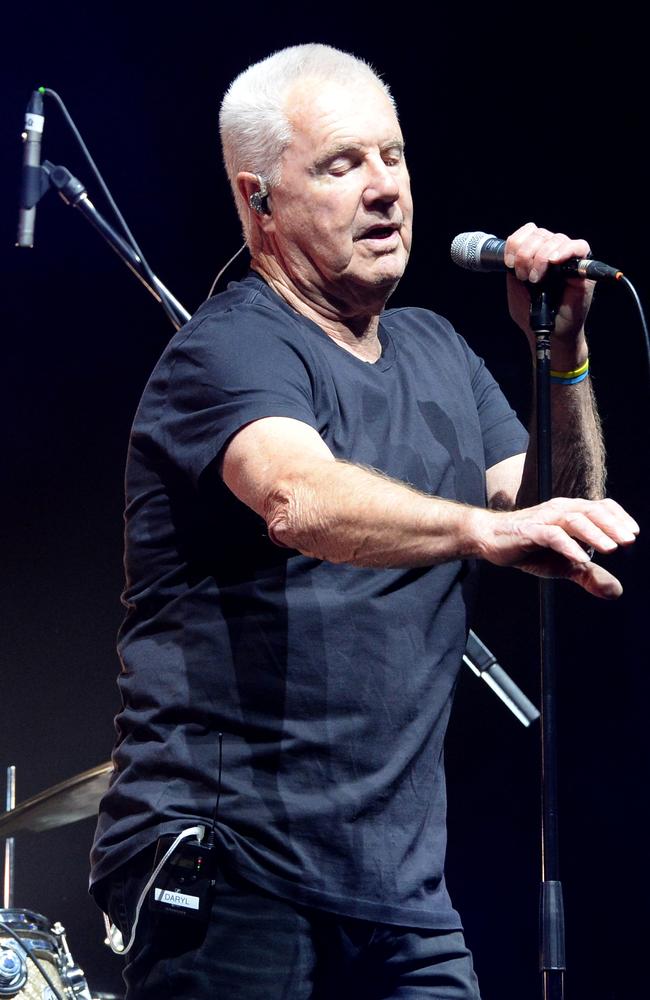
378	232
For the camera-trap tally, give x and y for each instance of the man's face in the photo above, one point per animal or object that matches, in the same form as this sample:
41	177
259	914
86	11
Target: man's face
341	218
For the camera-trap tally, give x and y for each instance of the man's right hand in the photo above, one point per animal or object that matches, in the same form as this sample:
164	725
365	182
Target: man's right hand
550	540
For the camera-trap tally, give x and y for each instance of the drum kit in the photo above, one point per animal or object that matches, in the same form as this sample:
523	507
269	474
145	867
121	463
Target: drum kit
35	960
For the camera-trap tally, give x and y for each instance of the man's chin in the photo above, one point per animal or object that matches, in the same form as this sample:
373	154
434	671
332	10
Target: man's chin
368	295
384	277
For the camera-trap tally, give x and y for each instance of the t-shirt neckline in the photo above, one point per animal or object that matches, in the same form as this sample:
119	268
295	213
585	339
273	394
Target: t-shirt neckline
383	362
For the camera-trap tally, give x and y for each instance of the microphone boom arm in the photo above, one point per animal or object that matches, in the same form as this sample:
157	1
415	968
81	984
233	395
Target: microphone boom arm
484	664
73	193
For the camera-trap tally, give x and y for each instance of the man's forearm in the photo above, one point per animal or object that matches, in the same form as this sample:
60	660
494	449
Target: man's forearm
577	447
348	513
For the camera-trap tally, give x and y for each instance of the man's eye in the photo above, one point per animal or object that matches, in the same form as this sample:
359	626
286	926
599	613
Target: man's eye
340	166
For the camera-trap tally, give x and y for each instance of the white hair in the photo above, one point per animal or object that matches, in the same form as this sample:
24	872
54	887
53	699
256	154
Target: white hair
253	121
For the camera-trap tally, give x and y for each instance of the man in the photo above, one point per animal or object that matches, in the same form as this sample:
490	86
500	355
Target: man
307	485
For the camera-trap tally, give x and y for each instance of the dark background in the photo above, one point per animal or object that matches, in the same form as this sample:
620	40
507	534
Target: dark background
508	116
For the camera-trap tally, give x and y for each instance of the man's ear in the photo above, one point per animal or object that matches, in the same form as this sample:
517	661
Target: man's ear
255	192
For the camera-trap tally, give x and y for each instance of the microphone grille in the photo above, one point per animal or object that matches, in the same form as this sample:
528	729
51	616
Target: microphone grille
466	250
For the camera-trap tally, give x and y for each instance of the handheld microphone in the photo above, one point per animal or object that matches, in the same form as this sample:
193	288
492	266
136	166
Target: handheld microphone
485	252
30	190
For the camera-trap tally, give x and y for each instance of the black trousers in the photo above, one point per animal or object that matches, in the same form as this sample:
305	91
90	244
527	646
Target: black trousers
259	947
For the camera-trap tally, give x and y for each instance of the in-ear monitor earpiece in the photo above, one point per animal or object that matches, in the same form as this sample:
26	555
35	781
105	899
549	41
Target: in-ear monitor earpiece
258	201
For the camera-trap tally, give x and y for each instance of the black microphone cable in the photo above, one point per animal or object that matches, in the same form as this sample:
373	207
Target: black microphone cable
210	840
644	326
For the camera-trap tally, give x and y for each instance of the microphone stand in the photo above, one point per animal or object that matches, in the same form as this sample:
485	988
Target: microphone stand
551	907
74	193
484	664
9	865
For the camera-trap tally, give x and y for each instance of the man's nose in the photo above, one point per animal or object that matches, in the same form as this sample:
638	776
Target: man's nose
382	183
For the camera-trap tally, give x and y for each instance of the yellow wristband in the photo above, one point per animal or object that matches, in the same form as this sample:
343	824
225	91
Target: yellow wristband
573	373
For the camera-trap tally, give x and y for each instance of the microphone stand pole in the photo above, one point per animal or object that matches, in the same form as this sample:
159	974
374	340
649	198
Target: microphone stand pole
9	866
551	906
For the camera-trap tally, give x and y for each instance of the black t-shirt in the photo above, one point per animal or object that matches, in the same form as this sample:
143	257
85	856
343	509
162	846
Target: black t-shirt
331	684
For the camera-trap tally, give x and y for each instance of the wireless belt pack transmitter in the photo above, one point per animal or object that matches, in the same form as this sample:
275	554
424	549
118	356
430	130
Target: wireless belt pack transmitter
183	886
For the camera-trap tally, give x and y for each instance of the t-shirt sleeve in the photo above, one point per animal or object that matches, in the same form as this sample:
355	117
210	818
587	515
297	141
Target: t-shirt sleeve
503	433
226	371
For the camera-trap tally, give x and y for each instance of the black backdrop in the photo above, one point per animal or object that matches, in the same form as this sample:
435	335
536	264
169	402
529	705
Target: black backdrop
507	117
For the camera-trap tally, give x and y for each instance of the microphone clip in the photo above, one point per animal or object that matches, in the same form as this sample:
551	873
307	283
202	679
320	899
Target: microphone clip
35	183
545	298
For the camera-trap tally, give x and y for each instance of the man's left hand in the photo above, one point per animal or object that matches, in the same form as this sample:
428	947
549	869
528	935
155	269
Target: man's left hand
529	252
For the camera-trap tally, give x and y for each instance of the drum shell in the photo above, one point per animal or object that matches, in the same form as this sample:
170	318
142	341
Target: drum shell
35	935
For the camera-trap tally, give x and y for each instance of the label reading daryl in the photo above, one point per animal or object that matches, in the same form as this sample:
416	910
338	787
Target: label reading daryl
176	899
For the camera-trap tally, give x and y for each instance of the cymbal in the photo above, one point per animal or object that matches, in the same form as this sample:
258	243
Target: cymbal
67	802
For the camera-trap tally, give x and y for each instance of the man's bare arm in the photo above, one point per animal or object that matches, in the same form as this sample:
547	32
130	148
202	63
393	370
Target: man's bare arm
578	455
577	448
341	512
578	451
